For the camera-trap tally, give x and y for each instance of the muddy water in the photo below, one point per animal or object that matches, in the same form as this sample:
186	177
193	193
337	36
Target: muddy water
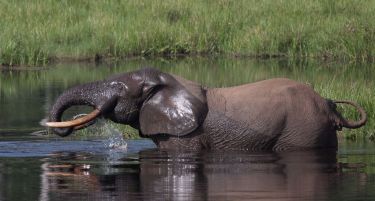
34	166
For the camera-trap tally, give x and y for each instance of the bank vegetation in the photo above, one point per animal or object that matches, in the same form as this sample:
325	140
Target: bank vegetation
36	32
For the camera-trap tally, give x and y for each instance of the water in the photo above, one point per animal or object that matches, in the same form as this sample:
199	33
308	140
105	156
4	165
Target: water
34	166
88	170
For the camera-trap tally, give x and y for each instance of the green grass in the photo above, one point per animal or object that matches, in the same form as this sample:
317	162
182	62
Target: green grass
105	129
36	32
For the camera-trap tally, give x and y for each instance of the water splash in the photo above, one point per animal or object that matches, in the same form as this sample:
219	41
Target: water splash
115	146
115	139
112	137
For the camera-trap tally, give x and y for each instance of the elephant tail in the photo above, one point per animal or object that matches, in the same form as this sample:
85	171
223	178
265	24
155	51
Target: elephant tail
340	121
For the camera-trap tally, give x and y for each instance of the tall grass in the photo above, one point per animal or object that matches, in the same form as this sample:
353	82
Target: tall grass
38	31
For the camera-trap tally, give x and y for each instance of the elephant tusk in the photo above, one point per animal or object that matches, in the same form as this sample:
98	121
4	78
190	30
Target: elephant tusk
76	122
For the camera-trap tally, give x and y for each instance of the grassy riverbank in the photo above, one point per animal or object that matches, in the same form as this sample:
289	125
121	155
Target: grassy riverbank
35	32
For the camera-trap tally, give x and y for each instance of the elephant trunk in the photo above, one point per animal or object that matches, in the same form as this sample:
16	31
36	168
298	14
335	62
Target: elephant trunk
91	94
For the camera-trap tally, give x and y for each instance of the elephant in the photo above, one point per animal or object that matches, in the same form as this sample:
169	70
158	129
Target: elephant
175	113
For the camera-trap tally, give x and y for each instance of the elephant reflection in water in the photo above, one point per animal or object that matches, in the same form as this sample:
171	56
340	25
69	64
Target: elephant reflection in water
163	175
62	176
239	176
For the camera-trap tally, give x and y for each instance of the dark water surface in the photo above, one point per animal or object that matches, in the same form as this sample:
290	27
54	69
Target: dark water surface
34	166
88	170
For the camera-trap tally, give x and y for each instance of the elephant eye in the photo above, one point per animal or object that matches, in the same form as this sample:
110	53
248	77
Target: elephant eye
146	88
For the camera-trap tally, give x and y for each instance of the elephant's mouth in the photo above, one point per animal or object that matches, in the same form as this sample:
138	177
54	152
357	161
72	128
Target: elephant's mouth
75	123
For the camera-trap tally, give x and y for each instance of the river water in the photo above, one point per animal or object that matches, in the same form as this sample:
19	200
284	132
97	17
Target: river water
36	166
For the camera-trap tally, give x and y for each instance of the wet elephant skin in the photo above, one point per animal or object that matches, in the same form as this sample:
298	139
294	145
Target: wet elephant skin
275	114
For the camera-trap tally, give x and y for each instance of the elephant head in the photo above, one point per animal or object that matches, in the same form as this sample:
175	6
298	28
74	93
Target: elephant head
147	99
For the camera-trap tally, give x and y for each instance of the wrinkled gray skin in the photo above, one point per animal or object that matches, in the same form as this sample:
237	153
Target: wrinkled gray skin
275	114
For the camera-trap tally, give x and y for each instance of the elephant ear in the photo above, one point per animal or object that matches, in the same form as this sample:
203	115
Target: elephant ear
175	109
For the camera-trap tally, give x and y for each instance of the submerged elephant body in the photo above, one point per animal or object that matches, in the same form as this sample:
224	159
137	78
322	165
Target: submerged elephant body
275	114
